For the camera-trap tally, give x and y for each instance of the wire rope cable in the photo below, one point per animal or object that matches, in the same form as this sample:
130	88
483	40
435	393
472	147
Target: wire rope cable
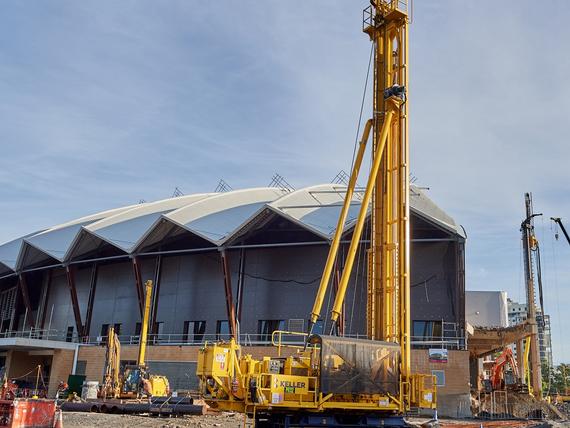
361	108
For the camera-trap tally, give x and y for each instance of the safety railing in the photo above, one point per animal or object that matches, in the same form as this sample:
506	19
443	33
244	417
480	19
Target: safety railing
450	343
246	339
368	15
44	334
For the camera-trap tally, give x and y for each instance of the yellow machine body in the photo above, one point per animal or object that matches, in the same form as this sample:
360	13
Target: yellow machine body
330	373
244	384
159	386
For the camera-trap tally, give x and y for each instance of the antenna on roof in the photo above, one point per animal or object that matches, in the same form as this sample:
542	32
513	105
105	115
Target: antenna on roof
177	192
341	178
279	181
223	186
413	180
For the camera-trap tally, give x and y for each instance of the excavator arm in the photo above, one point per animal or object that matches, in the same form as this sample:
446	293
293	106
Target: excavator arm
498	369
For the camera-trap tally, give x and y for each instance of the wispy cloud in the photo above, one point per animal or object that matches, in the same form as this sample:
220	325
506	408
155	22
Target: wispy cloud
105	103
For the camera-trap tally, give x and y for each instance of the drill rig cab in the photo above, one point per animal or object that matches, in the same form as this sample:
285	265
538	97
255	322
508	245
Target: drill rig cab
334	380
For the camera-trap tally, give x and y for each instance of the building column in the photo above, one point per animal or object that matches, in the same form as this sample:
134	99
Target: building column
240	284
26	299
155	294
70	273
138	284
91	300
40	314
230	306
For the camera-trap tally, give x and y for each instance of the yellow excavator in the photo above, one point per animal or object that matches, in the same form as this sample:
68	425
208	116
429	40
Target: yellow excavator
333	380
134	381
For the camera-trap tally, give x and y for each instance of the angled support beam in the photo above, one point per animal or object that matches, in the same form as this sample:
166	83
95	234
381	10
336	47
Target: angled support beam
45	305
25	298
240	284
91	300
230	306
138	284
14	311
155	294
70	273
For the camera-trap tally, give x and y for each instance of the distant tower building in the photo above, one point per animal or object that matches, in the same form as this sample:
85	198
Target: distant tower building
517	315
517	312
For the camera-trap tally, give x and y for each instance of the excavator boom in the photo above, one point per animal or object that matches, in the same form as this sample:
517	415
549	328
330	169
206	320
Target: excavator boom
558	221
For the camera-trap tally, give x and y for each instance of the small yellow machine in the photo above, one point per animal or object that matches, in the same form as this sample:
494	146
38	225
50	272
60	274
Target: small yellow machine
135	381
331	380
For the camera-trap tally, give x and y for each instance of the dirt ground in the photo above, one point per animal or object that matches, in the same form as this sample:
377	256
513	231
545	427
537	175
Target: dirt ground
230	420
83	420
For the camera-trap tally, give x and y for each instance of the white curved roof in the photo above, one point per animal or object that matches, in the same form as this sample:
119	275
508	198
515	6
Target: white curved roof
217	217
317	207
212	217
124	229
9	253
54	242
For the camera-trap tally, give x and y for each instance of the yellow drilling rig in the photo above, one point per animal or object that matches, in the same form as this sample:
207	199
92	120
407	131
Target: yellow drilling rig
332	380
134	381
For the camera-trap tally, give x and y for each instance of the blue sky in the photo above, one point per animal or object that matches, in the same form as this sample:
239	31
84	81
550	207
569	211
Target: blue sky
106	103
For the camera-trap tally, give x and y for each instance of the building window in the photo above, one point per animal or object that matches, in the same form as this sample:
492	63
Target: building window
104	330
427	329
266	327
69	335
439	377
194	331
138	327
222	330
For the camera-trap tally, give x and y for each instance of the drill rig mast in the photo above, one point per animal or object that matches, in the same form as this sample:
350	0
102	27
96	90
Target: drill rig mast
530	245
330	375
388	303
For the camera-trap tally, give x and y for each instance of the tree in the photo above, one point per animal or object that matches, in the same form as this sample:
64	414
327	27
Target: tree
560	380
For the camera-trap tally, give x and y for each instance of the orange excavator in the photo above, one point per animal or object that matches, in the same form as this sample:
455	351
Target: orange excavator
499	368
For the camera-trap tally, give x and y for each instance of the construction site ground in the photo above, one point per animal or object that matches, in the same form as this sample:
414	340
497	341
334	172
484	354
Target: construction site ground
232	420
